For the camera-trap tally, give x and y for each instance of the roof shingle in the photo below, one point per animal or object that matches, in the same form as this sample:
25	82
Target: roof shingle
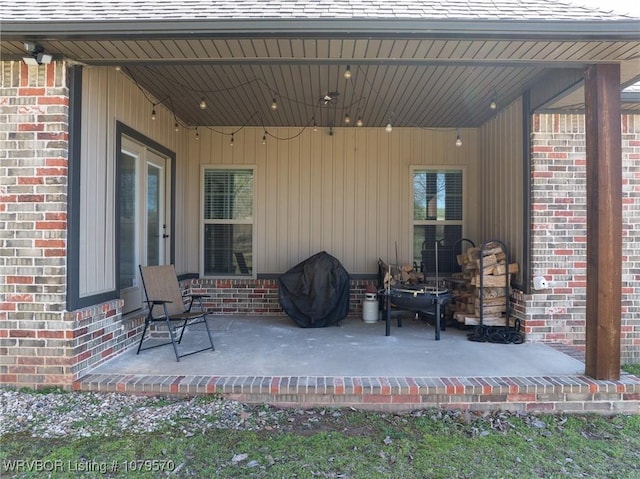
30	11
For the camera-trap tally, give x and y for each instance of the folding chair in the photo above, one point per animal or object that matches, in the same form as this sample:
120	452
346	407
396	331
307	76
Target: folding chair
166	304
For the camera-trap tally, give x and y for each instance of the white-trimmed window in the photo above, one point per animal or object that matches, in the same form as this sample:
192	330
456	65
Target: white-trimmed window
437	217
227	221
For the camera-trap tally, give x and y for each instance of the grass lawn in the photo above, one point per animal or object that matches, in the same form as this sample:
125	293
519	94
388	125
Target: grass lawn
342	443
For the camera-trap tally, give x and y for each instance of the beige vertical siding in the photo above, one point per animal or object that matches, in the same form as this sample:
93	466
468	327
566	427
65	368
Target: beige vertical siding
108	96
348	194
501	177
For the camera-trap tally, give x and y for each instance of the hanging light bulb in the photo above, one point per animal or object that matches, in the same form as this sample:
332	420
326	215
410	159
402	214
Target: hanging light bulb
347	119
118	68
231	143
197	134
153	114
203	104
388	128
176	126
458	140
359	121
315	126
347	73
264	138
493	105
274	104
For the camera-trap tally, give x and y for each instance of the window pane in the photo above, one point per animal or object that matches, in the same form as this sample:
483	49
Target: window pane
437	195
153	215
424	247
228	249
228	194
128	260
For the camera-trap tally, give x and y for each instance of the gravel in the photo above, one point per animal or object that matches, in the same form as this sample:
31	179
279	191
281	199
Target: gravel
62	414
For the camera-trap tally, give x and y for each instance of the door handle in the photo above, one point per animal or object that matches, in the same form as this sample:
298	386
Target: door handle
165	235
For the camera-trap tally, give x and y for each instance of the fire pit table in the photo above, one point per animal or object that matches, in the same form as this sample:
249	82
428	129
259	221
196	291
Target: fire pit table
421	300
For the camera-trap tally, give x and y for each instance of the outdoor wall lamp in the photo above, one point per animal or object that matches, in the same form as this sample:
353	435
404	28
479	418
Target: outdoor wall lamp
37	55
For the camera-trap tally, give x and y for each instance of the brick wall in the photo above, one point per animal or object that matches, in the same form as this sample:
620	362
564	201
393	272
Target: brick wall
559	233
259	296
40	343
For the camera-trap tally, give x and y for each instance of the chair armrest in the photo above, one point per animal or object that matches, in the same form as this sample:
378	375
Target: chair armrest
198	298
154	302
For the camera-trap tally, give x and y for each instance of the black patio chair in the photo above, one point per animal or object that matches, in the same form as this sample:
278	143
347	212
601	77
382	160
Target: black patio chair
167	304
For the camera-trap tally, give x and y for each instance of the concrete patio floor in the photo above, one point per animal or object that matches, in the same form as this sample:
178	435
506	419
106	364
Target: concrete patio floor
276	346
272	360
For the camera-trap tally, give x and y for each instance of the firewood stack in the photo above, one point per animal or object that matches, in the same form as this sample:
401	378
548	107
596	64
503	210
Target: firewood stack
405	274
488	291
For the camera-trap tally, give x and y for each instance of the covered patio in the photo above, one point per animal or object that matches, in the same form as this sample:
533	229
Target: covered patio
328	114
272	360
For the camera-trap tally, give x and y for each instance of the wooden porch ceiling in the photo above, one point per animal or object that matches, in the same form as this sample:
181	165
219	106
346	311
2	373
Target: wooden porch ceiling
410	82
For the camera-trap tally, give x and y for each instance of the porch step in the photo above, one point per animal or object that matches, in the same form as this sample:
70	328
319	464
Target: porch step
550	394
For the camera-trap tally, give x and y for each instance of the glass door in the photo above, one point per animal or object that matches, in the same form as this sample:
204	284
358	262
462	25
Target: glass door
144	222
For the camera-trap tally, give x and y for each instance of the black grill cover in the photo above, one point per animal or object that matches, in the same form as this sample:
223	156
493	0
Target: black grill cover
315	293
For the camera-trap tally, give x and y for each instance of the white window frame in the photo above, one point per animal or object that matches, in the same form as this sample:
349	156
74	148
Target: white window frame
204	222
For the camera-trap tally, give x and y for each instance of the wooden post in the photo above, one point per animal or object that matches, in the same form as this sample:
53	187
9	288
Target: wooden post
604	221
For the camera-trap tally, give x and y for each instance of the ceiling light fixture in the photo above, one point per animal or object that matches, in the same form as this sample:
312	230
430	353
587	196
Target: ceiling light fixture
458	140
203	104
274	104
347	73
388	128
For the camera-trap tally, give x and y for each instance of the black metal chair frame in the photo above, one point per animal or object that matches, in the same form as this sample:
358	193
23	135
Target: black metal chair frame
186	319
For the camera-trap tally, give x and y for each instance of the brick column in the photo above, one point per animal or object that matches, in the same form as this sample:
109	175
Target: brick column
34	108
559	233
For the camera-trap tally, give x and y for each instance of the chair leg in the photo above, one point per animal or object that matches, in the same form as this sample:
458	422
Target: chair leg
173	341
184	326
206	325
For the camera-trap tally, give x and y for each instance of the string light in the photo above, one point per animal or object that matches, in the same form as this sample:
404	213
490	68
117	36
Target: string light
359	121
458	140
388	128
153	113
176	126
347	119
264	138
493	105
315	126
197	134
274	104
203	104
347	73
231	142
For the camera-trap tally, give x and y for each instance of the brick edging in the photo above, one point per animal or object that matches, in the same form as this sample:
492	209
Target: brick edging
548	393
